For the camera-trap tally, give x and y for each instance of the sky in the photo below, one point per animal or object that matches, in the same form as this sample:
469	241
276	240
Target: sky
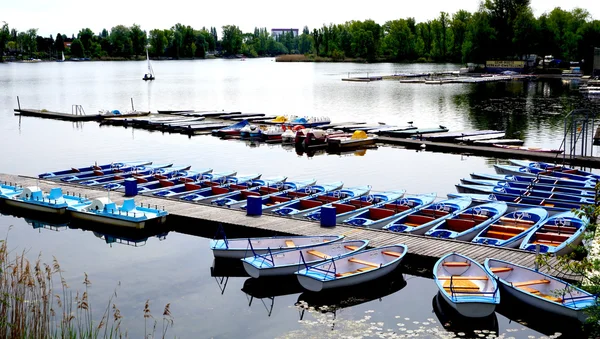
69	16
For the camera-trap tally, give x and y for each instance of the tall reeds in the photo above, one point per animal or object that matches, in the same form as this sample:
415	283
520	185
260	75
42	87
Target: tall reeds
37	302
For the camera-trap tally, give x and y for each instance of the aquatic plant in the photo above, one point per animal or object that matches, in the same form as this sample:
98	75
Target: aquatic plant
37	302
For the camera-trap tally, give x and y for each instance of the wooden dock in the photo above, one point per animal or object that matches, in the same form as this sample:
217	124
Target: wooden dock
56	115
490	151
423	251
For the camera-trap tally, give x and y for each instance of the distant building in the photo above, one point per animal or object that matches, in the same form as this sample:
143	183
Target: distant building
499	66
67	44
275	32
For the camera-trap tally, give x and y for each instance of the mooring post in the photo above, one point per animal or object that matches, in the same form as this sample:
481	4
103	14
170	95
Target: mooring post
254	206
18	103
537	255
132	108
328	216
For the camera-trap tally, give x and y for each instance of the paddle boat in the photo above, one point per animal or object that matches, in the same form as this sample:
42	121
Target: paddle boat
117	168
288	136
421	219
95	167
521	193
119	177
316	137
287	262
552	207
231	129
588	184
238	198
389	213
162	173
532	172
33	198
511	228
205	183
272	133
180	181
310	121
245	131
349	208
532	186
205	195
466	285
244	247
272	201
358	139
541	290
299	208
466	224
103	210
352	269
557	235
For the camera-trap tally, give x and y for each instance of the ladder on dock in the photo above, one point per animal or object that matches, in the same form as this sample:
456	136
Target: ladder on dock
577	139
77	110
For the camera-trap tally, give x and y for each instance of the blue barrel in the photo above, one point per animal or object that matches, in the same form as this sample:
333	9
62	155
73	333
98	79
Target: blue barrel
254	206
328	216
131	189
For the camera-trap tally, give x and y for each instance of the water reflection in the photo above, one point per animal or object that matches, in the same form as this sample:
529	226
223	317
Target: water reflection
452	321
266	289
53	226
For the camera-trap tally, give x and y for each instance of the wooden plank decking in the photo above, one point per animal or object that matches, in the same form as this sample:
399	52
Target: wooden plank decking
420	248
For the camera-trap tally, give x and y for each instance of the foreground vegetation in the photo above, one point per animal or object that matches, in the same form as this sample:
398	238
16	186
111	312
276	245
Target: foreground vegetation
500	29
36	302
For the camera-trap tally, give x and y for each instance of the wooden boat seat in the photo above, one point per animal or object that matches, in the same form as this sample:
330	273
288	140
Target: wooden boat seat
460	277
360	203
460	286
219	190
392	253
456	264
190	187
538	293
238	187
297	194
246	194
327	198
290	243
473	216
343	208
166	183
268	190
411	224
501	269
419	219
530	282
508	228
306	204
211	183
396	207
560	229
460	225
351	248
276	199
500	235
380	213
551	236
363	262
318	254
433	213
518	221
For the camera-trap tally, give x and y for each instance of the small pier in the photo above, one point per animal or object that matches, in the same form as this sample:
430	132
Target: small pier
423	250
56	115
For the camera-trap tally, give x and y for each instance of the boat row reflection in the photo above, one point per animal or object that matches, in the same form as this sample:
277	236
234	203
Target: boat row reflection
266	290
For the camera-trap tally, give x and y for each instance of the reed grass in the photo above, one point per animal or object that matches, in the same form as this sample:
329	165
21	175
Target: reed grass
37	302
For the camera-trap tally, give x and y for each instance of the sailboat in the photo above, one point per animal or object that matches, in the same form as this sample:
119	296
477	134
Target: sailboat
63	57
150	74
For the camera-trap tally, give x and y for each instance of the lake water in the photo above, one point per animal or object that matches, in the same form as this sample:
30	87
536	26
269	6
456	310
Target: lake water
176	268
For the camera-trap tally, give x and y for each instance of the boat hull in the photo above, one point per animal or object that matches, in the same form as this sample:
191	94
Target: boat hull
116	222
36	207
471	309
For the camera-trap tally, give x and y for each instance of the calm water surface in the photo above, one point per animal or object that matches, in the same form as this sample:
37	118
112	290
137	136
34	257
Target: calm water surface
176	268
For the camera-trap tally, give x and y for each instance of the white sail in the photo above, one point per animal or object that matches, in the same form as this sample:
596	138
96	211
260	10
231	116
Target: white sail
63	56
150	71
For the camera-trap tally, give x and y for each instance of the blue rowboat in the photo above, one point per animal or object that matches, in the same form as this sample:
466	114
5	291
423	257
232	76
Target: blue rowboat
34	199
231	129
352	269
423	218
541	290
192	177
206	194
103	210
160	173
95	167
389	213
140	171
551	167
466	224
240	248
532	172
524	185
287	262
518	193
512	228
207	183
466	285
299	208
557	235
349	208
588	184
552	207
272	201
117	168
238	198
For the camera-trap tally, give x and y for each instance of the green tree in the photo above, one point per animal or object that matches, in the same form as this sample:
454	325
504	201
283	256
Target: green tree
4	37
85	36
120	40
480	38
525	35
139	40
232	40
59	43
158	42
458	25
77	49
502	15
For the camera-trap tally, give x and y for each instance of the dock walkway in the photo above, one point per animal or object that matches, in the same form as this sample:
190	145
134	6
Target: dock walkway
423	251
56	115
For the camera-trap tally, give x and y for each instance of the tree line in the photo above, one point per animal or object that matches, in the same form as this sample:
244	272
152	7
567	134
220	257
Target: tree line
500	29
